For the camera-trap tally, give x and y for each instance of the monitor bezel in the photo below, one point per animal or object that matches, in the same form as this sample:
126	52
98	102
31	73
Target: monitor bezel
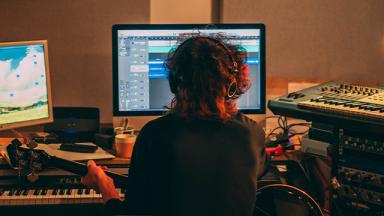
49	119
118	27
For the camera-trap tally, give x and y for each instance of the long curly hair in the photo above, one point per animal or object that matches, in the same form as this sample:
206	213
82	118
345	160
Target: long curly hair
201	71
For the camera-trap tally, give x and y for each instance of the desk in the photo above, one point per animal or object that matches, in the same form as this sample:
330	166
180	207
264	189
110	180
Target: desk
116	161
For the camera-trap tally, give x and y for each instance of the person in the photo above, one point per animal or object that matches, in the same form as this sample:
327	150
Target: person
204	156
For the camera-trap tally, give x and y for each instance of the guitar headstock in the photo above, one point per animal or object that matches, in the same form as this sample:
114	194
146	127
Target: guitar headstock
22	157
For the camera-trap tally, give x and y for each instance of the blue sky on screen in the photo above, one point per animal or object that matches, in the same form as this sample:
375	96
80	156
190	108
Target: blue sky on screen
22	75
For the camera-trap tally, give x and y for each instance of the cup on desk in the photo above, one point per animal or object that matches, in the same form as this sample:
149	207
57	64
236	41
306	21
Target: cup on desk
123	130
124	145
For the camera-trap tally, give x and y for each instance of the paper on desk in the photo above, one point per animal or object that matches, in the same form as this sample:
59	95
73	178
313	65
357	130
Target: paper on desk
54	149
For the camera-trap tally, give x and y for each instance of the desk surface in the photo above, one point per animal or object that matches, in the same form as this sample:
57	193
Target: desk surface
122	161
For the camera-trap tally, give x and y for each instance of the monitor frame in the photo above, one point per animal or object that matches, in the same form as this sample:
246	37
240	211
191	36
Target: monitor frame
115	81
49	119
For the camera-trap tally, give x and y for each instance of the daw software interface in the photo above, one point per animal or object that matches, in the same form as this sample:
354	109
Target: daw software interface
142	79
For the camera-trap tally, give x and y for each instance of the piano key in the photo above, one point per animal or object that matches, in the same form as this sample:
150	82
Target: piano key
3	200
18	192
55	191
80	191
69	191
44	191
37	192
11	192
50	196
25	192
62	191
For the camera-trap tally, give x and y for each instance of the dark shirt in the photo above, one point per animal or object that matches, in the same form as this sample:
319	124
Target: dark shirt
194	167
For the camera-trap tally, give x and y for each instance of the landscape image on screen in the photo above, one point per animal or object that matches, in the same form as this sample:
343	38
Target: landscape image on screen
23	85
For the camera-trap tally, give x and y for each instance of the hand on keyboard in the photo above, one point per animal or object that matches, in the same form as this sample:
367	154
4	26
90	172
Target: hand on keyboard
98	180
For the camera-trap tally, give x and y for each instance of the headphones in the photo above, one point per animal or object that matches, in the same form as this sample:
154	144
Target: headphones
175	80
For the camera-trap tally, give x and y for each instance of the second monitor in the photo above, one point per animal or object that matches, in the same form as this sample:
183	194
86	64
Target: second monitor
140	80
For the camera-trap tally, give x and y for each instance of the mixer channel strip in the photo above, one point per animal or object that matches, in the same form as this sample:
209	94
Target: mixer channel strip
353	108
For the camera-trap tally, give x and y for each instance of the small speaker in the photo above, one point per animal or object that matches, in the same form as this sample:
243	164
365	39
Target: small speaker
74	124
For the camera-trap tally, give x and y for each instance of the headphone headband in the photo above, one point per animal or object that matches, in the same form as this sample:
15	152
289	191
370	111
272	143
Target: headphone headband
234	68
232	85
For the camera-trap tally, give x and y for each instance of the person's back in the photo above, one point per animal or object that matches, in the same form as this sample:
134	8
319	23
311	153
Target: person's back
203	157
197	167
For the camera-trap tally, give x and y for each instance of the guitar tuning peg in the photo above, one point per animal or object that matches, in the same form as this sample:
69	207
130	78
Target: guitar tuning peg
32	144
23	163
36	166
34	155
18	154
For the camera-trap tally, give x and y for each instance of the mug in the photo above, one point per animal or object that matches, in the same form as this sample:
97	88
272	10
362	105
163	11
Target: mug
124	145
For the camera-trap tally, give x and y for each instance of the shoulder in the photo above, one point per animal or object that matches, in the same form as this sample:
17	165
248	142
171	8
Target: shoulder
251	124
243	119
159	123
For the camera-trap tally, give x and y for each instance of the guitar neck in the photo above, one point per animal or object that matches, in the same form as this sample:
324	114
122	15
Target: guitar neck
82	169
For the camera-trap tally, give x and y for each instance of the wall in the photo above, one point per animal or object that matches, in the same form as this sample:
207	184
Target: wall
176	11
310	39
171	12
79	36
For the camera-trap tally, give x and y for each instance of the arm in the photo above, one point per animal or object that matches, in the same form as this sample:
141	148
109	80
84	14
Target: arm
259	146
137	189
97	179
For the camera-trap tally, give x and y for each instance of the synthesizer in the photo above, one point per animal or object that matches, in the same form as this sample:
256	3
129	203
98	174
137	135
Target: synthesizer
351	119
58	191
333	102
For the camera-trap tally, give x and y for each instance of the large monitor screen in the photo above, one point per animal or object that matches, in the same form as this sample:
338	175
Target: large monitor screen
24	84
140	80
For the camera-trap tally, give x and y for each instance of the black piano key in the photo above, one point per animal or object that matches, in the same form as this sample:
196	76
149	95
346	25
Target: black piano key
18	192
372	108
69	191
80	191
44	191
37	192
11	192
375	108
25	192
97	192
62	191
87	191
55	191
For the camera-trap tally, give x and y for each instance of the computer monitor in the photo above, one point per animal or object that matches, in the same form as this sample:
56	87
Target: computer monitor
140	80
25	92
